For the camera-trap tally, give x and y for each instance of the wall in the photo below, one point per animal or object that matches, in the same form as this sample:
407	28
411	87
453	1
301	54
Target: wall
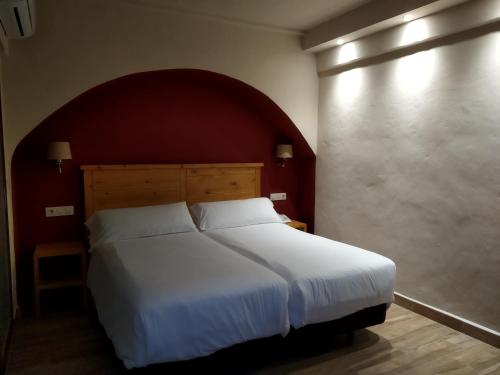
171	116
79	44
409	166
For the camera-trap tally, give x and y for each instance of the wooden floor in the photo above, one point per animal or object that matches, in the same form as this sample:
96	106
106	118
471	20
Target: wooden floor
406	344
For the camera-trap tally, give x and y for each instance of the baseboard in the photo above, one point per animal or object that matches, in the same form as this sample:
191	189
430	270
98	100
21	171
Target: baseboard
472	329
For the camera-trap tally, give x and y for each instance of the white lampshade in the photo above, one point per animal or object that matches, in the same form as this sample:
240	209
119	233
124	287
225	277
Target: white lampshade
284	151
59	151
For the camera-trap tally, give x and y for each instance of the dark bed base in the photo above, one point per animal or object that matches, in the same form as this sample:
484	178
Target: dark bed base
360	319
312	339
306	342
323	337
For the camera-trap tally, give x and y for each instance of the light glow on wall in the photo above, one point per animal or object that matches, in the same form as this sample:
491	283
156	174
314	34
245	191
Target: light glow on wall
496	46
349	84
348	52
414	32
414	72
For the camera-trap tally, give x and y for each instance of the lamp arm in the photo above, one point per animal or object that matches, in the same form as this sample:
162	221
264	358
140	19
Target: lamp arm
59	165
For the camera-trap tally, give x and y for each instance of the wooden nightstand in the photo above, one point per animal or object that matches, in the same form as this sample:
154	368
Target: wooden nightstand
298	225
44	282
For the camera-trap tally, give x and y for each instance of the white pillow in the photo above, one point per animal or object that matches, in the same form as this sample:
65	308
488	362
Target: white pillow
126	223
236	213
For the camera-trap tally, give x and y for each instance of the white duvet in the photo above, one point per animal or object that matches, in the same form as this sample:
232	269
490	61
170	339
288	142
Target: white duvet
181	296
327	279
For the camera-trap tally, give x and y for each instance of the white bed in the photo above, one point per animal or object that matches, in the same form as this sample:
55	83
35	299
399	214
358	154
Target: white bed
327	279
166	292
179	296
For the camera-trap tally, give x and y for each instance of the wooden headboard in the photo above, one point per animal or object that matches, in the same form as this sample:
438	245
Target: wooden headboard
133	185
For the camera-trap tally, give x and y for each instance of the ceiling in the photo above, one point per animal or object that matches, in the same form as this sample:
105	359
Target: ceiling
294	15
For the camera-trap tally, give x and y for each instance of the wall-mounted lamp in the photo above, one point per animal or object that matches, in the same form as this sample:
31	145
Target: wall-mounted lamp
284	152
59	151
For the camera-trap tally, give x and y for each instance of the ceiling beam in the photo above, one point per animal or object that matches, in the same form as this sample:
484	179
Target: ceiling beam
368	19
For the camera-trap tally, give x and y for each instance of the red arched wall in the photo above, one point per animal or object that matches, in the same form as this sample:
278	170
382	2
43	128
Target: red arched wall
170	116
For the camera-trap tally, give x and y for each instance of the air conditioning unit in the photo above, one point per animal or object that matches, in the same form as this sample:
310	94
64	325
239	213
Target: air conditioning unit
17	18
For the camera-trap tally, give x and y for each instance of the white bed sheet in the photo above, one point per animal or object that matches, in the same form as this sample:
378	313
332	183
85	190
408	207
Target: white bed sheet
181	296
327	279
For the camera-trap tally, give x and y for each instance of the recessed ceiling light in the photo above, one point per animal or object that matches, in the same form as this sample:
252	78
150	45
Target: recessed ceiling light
340	41
407	17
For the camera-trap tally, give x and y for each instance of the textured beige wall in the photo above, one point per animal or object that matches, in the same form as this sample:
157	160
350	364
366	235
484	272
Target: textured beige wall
79	44
409	166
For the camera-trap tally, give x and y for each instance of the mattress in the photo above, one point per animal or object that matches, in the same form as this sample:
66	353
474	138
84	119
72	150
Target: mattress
181	296
327	279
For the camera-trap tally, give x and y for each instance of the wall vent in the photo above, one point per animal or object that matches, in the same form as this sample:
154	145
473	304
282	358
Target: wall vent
17	18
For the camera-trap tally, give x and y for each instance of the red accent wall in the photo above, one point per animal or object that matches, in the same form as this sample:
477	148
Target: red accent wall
169	116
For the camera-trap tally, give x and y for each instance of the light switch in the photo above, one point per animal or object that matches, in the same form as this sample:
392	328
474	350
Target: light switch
59	211
278	196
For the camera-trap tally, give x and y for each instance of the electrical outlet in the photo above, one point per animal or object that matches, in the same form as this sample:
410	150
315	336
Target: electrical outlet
59	211
278	196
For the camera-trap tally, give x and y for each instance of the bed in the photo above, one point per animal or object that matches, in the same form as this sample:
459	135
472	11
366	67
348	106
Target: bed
181	296
168	297
128	292
328	280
